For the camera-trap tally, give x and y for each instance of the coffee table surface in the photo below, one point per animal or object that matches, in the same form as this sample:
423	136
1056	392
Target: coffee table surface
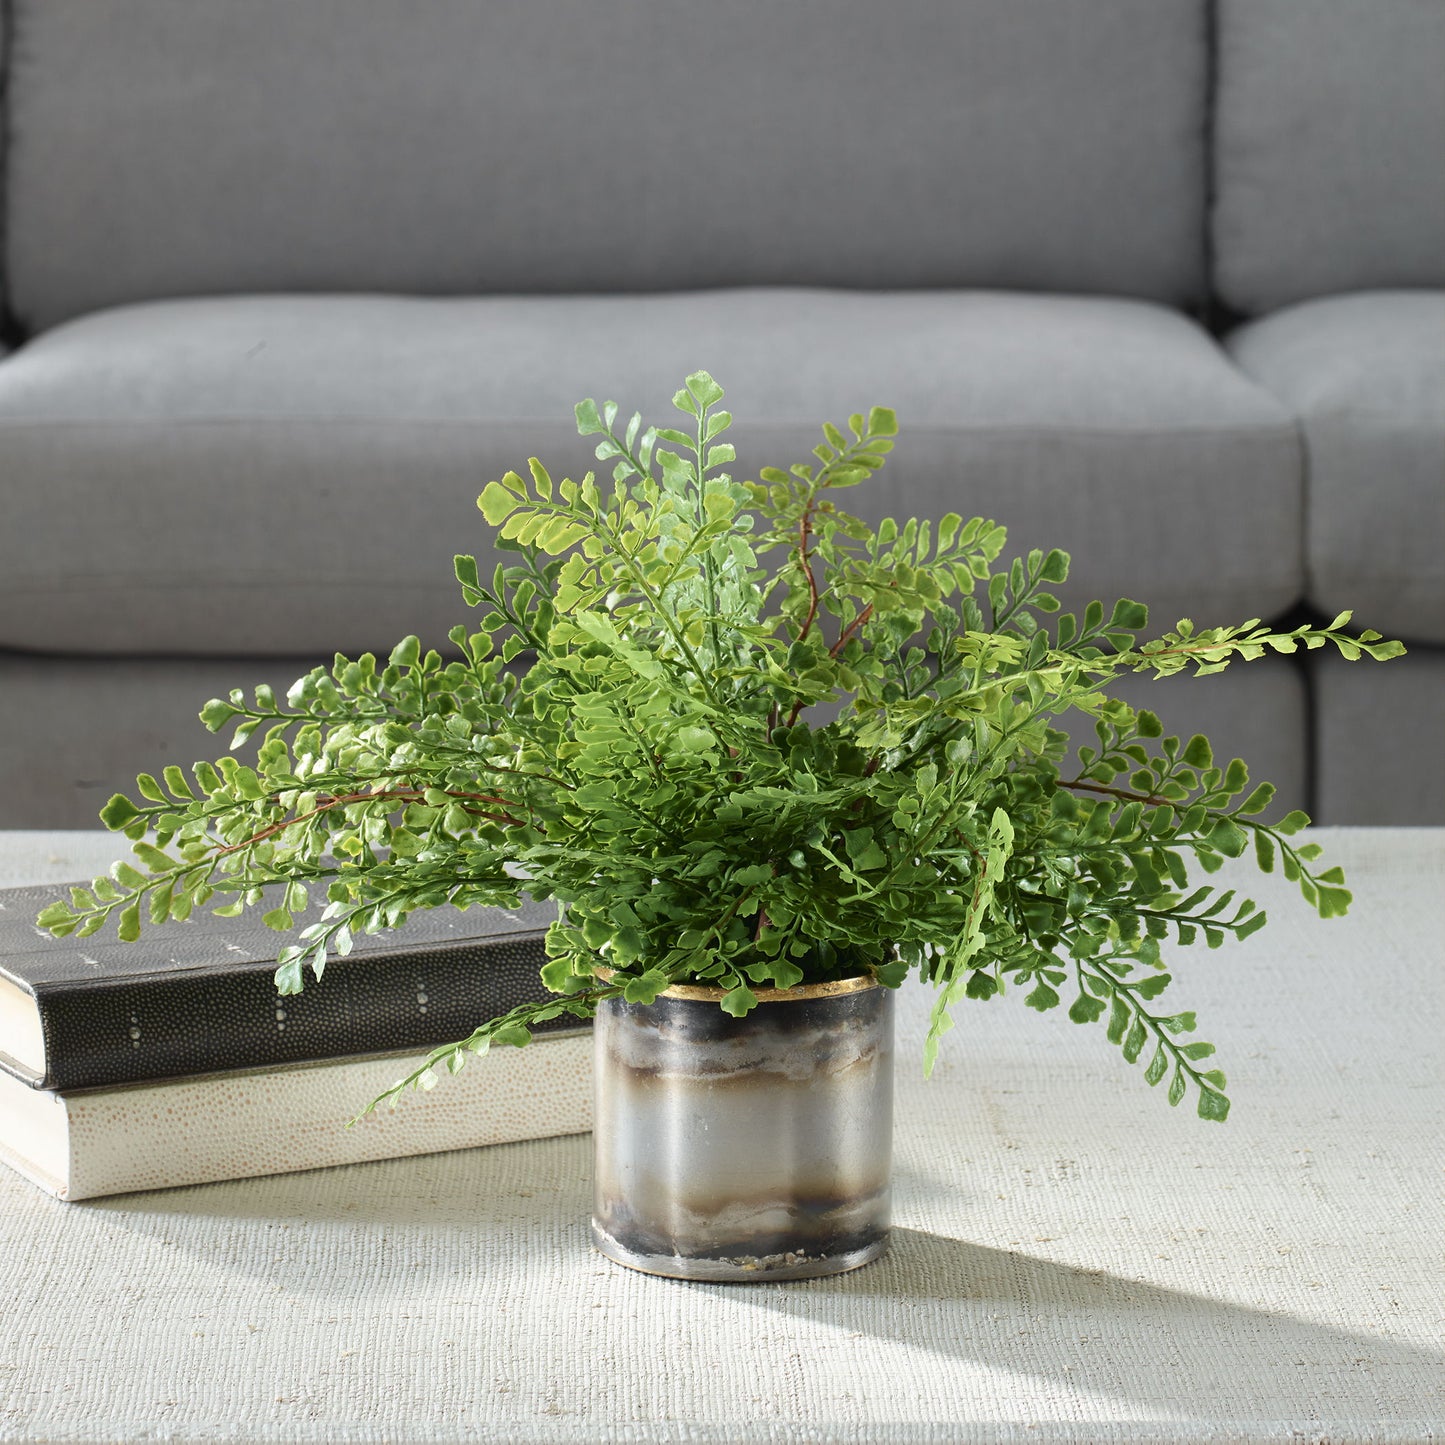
1073	1259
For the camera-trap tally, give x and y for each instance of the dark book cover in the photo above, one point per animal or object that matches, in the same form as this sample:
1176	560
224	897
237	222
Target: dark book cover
199	997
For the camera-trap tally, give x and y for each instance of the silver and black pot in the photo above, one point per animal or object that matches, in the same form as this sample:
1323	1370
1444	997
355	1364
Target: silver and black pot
745	1149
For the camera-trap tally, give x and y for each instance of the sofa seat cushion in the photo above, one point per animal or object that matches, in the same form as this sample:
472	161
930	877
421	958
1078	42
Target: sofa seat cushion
1377	740
74	730
280	474
1259	713
1366	376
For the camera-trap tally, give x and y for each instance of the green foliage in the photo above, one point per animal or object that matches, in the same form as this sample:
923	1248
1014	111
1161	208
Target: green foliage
632	728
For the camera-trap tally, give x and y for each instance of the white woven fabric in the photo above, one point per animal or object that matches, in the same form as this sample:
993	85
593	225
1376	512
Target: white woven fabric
1074	1260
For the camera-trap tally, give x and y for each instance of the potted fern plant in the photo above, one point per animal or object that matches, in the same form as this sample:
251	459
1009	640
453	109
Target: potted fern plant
771	762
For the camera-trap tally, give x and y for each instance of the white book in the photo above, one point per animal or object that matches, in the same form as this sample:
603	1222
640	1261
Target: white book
237	1125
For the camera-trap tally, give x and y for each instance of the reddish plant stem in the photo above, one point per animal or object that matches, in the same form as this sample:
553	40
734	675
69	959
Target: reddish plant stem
833	651
522	773
804	532
409	795
1077	787
850	629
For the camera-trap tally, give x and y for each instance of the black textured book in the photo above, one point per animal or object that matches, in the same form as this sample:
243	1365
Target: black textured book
198	997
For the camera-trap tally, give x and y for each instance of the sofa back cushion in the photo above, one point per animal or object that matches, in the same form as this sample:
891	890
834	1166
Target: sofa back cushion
172	147
1330	148
6	324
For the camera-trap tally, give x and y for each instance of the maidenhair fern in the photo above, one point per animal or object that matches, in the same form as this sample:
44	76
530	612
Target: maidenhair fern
632	728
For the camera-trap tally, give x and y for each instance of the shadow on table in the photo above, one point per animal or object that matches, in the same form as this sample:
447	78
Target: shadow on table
434	1212
544	1178
1086	1330
1078	1331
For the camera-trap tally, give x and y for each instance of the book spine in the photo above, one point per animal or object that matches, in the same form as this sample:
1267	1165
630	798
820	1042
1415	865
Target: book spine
198	1131
170	1025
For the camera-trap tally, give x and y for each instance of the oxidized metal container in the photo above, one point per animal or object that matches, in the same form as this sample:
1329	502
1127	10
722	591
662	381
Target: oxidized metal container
745	1149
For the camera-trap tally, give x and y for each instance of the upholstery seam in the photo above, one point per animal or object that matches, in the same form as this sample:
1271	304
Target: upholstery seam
43	584
11	654
1287	429
1306	415
1219	318
1305	673
1208	316
1307	559
1211	86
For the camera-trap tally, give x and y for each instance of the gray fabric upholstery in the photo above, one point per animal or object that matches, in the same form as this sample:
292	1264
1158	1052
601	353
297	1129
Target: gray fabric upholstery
176	147
288	475
75	730
1378	737
1366	376
57	768
1257	712
5	325
1329	148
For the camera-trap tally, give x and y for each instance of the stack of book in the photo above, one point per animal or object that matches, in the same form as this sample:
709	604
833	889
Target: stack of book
174	1061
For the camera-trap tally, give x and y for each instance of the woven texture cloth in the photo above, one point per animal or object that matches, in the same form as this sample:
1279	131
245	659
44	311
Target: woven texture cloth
1073	1259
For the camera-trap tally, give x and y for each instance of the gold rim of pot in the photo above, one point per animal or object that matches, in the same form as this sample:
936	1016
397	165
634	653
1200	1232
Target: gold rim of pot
707	993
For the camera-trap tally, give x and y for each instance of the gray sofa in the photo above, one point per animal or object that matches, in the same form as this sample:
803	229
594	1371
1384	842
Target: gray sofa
1158	281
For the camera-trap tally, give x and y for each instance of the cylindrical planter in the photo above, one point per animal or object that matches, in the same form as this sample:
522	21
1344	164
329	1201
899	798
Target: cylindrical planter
745	1149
